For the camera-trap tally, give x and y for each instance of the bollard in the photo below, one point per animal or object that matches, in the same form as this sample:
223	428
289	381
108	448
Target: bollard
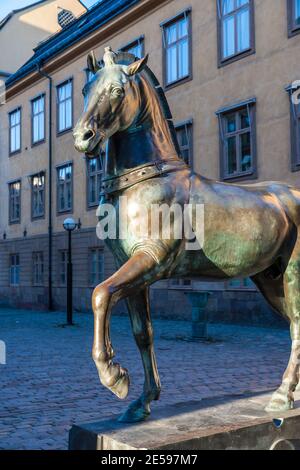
198	302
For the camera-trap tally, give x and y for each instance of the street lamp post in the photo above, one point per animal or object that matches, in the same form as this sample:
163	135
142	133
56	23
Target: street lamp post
70	225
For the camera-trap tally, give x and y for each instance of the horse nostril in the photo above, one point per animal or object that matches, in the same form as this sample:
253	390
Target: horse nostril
88	135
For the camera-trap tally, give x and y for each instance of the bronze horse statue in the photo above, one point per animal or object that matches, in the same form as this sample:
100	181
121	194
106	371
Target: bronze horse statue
249	230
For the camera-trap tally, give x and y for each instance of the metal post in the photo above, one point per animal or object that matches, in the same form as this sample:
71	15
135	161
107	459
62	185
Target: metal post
69	281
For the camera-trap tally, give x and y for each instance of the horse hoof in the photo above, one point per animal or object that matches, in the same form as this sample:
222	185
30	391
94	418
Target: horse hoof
136	413
279	403
121	387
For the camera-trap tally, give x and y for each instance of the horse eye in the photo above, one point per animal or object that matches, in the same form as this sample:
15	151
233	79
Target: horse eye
117	92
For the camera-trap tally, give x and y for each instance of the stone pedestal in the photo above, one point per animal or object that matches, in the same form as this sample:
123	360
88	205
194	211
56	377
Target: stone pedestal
199	301
229	423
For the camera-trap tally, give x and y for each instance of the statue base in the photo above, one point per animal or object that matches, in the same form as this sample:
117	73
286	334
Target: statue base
230	423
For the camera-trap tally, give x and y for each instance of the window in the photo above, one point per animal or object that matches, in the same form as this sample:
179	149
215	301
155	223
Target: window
65	106
241	284
38	119
180	283
184	133
15	131
15	202
63	267
65	17
177	48
238	141
37	269
294	96
235	29
65	188
38	196
94	177
136	47
293	8
96	266
14	269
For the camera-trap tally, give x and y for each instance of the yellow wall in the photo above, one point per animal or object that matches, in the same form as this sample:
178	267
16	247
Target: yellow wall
263	75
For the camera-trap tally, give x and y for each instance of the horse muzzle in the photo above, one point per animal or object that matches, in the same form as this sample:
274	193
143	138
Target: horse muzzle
86	140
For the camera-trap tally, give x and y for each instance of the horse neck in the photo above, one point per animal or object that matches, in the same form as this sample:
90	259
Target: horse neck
147	140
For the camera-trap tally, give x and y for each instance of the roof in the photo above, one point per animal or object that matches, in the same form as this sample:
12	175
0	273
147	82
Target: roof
13	12
93	19
4	74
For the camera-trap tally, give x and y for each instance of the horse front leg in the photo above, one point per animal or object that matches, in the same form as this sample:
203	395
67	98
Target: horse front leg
134	275
139	310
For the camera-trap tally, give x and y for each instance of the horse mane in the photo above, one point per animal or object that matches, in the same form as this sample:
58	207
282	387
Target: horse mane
125	58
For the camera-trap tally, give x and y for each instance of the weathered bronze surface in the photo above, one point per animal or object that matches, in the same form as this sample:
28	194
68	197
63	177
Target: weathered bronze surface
249	230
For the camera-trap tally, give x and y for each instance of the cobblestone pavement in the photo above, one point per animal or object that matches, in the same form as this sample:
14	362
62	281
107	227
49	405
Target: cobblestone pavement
50	382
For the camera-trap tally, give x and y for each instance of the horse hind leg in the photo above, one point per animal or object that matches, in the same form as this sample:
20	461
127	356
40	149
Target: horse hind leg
283	294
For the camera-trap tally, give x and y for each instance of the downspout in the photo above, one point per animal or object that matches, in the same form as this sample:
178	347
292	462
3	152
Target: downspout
50	227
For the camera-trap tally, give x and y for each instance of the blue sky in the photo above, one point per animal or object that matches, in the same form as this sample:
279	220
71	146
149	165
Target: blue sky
7	5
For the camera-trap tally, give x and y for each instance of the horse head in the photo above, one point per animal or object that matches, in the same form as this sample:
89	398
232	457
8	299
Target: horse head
111	101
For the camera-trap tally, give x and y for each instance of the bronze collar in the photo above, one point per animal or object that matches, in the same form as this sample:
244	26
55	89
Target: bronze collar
139	174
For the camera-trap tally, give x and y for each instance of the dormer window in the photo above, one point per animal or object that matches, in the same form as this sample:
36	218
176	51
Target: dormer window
65	17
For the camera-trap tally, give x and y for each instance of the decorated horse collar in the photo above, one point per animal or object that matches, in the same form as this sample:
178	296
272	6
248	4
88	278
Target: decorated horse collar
141	173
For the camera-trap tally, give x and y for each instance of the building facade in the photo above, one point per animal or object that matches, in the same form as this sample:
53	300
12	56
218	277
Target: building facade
23	29
229	69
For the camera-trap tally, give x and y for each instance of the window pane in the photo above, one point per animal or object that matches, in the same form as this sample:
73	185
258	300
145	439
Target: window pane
246	161
15	131
184	141
13	139
41	127
171	65
240	3
297	12
61	93
228	6
69	196
68	90
231	159
17	116
92	165
231	123
228	37
65	106
171	33
183	137
62	118
182	28
17	138
61	198
243	30
244	119
68	122
136	49
13	119
183	59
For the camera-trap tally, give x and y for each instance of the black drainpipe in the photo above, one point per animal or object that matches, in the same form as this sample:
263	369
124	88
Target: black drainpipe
50	228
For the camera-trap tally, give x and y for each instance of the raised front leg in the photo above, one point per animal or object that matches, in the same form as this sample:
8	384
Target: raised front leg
140	271
139	310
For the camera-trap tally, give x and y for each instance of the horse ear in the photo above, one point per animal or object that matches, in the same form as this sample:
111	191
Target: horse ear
92	63
137	66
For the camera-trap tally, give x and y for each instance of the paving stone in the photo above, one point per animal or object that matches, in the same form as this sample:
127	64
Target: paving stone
50	381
